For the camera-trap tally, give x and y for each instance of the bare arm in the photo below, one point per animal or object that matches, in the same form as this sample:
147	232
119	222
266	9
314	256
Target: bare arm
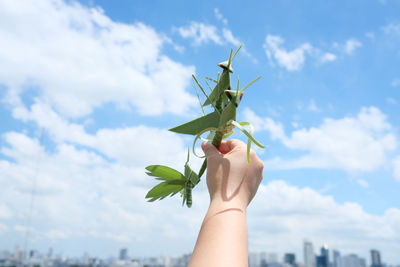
232	184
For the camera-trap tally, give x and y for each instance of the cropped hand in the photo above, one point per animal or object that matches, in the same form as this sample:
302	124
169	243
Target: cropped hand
230	178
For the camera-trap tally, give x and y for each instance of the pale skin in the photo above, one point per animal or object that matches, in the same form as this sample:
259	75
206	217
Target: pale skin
232	183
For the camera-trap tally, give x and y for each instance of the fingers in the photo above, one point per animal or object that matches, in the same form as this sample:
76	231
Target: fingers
209	149
224	148
228	146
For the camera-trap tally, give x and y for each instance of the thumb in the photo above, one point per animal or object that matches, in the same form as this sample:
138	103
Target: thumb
209	149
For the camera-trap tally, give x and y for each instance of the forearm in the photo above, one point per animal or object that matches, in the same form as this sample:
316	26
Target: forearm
222	239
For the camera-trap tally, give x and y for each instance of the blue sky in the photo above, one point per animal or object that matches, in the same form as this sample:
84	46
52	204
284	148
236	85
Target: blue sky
89	88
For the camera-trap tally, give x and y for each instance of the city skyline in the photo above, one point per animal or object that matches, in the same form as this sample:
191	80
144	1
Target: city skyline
333	257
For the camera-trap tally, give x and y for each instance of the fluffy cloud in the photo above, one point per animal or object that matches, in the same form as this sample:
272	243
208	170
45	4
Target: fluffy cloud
282	215
129	145
292	60
351	45
79	195
392	29
396	171
77	59
200	33
358	143
348	47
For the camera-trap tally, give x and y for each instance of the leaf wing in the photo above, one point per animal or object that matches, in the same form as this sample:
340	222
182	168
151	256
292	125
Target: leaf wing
164	173
195	126
164	189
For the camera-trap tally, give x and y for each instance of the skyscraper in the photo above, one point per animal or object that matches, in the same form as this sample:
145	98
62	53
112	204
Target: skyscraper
123	254
289	258
375	258
336	258
309	257
323	259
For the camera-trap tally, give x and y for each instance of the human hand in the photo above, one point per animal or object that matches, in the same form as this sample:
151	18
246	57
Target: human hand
230	178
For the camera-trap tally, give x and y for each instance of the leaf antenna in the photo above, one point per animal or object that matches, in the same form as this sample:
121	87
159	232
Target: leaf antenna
208	86
198	136
236	52
198	98
250	83
194	77
187	160
230	59
211	79
237	88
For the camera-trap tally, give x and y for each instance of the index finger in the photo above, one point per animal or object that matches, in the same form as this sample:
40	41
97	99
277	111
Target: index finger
228	146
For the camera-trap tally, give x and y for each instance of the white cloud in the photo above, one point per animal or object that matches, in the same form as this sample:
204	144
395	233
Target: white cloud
78	59
312	106
82	195
391	100
396	168
5	211
370	35
351	45
220	17
363	183
358	143
79	194
396	82
392	29
275	129
228	36
129	146
3	229
348	47
200	33
293	214
293	60
328	57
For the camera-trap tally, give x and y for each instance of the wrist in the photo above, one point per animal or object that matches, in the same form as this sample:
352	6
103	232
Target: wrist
218	205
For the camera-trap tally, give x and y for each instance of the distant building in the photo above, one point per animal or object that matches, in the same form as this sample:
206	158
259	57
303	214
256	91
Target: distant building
254	259
323	259
336	258
309	257
352	260
289	258
375	258
123	254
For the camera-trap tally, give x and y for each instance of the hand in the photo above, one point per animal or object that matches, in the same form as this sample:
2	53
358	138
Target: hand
230	178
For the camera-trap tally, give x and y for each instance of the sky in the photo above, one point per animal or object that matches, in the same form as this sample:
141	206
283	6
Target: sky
88	90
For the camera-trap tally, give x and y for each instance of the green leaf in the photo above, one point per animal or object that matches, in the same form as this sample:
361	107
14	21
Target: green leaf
164	172
195	126
164	189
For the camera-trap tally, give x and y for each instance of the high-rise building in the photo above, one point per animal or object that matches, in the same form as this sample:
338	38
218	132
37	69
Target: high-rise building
336	258
375	258
123	254
352	260
309	257
289	258
50	253
323	259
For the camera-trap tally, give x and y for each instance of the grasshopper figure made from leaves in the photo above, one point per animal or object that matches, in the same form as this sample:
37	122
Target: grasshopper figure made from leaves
219	124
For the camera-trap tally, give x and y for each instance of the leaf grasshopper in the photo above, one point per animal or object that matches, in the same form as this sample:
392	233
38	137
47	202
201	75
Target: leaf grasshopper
219	123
